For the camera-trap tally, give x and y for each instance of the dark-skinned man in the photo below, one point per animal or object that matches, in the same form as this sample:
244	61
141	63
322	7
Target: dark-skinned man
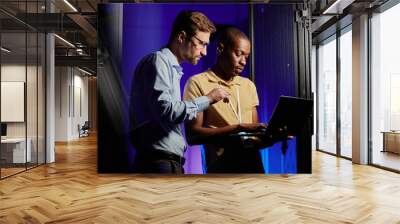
237	114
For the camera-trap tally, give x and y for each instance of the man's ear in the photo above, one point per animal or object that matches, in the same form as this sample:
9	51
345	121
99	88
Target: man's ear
181	37
220	48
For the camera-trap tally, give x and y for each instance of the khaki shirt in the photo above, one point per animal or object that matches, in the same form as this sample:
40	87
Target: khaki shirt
221	113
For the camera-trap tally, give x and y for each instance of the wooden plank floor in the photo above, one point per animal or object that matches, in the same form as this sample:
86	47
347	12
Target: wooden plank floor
71	191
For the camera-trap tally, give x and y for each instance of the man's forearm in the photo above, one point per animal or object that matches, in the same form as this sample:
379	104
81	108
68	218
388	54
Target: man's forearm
203	135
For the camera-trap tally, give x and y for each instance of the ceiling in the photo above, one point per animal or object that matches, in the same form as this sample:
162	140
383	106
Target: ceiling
328	16
73	21
76	20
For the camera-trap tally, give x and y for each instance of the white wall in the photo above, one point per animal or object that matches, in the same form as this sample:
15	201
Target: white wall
17	73
13	72
62	81
71	102
80	110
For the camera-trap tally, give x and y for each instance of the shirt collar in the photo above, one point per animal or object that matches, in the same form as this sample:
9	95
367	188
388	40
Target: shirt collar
172	59
212	77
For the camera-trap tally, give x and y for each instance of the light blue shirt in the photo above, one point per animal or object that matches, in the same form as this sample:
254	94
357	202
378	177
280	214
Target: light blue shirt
156	105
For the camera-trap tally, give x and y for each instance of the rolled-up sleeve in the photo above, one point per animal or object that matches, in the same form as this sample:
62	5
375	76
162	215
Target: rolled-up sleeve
202	103
192	92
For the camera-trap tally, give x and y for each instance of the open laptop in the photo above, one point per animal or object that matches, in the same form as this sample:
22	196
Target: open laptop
288	118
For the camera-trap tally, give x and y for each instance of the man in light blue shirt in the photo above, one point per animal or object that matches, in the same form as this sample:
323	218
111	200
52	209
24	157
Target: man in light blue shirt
156	109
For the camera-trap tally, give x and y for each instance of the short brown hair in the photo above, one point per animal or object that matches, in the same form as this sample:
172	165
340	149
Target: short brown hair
191	22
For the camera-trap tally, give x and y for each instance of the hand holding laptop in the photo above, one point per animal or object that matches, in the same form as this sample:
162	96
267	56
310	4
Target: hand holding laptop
252	127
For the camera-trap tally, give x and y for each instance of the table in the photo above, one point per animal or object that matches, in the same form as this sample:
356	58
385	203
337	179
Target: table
15	148
391	141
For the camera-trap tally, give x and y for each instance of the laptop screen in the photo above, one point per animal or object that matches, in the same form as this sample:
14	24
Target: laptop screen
289	115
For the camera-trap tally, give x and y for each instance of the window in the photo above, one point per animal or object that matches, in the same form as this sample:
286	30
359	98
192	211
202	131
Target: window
334	93
346	93
385	88
327	96
22	65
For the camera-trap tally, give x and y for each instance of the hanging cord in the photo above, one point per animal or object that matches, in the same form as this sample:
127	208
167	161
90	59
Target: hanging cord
237	112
